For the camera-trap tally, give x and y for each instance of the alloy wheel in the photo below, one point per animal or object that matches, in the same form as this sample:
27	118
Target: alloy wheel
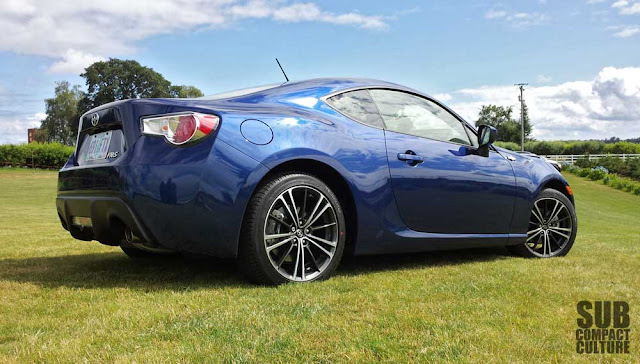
550	227
301	233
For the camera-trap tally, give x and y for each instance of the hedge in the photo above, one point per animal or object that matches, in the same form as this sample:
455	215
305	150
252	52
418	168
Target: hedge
630	167
574	147
602	174
53	155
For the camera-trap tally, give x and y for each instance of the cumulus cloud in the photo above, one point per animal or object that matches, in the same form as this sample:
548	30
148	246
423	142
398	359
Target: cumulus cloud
77	32
625	31
626	7
608	105
516	19
73	61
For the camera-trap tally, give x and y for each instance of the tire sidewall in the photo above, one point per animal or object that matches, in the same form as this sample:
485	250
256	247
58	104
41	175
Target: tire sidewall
262	210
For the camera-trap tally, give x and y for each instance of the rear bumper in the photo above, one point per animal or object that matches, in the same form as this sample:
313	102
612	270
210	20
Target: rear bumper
109	218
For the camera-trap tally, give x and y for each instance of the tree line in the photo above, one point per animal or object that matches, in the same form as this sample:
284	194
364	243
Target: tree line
106	81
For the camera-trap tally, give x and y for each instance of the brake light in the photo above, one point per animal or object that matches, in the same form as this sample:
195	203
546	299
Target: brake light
180	128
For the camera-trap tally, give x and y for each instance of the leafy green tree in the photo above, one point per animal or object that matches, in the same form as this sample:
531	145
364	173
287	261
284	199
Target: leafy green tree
184	91
118	79
501	118
61	123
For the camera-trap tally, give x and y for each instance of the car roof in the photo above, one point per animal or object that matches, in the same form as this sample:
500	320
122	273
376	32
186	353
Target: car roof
313	87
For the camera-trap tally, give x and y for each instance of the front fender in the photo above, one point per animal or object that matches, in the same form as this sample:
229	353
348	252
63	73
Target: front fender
532	176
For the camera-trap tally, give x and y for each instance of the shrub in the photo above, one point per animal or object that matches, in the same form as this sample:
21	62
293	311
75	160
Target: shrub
598	173
508	145
48	155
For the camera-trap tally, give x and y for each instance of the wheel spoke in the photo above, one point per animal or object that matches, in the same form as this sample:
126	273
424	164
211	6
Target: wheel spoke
278	244
302	272
553	212
539	216
533	231
554	216
317	216
295	267
278	236
330	243
329	254
278	220
303	212
286	205
313	258
293	203
314	210
534	235
323	226
553	230
281	260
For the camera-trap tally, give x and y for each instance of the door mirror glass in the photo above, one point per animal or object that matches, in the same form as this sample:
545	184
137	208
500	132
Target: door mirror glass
487	135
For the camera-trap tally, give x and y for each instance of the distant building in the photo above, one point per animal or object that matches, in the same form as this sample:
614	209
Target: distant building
31	134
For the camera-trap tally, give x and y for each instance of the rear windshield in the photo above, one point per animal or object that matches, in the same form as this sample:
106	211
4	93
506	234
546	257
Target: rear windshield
241	92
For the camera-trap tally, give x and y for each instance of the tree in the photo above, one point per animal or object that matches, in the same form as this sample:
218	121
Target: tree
61	123
527	125
118	79
185	92
500	117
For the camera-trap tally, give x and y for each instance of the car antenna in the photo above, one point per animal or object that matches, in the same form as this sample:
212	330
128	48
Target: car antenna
285	75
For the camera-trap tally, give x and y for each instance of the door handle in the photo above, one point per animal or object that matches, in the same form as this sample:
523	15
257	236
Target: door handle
410	157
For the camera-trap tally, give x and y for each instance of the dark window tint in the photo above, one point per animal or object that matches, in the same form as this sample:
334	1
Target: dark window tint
358	106
410	114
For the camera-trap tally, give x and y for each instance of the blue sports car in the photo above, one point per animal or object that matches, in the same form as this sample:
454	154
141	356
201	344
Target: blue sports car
287	178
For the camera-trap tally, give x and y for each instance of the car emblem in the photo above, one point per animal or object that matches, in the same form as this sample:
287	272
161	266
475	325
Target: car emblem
94	119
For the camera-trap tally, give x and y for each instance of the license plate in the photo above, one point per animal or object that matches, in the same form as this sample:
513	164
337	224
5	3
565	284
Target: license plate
99	146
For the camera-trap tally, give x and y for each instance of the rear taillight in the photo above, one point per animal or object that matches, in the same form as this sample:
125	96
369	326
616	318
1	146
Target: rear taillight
180	128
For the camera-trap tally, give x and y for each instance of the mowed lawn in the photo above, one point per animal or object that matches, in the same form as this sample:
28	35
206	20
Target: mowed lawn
63	300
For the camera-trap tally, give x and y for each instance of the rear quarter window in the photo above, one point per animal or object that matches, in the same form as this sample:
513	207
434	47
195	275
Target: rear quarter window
357	105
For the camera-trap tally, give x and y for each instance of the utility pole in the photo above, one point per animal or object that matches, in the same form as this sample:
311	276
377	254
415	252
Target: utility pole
521	99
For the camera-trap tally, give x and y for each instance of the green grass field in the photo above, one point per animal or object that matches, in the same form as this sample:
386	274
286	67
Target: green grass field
63	300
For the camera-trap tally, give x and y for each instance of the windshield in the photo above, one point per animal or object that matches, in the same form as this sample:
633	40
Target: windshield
241	92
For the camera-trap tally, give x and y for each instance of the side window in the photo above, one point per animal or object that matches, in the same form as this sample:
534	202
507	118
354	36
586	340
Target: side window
410	114
358	106
473	136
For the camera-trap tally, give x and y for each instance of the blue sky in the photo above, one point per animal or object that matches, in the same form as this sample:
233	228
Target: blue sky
582	58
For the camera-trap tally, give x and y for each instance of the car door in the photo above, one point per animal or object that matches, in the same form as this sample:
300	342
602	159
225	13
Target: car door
440	181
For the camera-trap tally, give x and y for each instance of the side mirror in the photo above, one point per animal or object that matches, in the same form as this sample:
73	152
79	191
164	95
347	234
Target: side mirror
486	136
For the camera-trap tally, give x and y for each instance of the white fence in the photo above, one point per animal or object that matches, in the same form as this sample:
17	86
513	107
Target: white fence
571	158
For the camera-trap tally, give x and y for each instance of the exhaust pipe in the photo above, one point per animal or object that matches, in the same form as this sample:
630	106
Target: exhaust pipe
135	241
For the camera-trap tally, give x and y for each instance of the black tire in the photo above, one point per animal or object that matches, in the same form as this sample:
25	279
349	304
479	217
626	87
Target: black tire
561	231
136	253
256	263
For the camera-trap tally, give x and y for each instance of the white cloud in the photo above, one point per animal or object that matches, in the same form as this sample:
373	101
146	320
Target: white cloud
517	19
626	7
609	105
74	62
543	79
14	127
625	31
77	32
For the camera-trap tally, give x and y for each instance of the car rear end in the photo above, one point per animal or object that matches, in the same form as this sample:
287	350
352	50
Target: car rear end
137	171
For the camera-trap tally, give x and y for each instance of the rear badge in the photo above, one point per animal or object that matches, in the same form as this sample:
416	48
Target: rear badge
94	119
112	155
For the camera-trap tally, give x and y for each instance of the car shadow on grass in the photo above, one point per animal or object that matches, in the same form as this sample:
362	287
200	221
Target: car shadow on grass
180	273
